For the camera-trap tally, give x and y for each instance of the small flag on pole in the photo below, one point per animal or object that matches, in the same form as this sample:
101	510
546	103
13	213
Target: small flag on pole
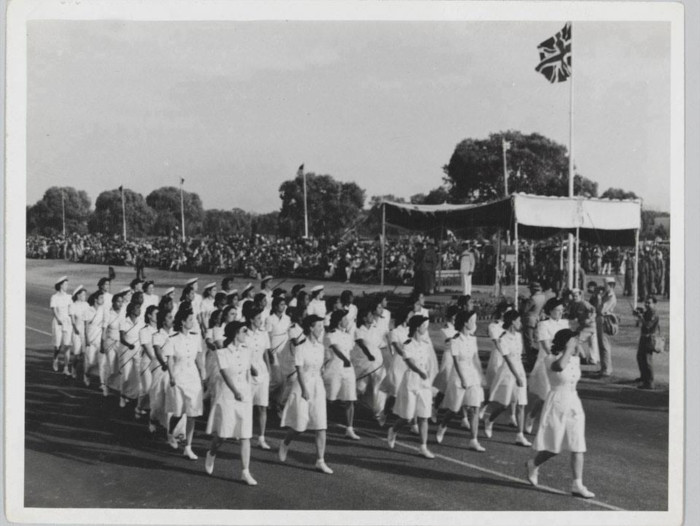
182	181
555	56
300	171
121	189
506	145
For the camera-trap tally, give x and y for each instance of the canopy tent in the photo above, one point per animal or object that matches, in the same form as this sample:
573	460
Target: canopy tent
602	221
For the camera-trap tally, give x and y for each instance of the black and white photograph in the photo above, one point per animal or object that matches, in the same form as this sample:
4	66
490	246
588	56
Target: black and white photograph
343	263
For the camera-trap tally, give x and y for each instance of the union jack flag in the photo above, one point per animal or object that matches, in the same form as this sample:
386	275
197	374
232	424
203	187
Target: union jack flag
555	56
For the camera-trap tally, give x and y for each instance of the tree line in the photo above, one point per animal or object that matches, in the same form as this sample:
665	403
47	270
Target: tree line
473	174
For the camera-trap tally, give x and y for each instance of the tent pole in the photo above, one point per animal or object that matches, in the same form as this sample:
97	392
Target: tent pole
515	293
577	275
439	280
383	240
497	281
636	267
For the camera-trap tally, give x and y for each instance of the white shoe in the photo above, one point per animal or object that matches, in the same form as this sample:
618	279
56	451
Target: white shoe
350	433
209	463
86	380
66	371
263	444
74	373
440	433
122	401
475	446
55	364
248	478
522	441
465	423
532	472
381	419
426	452
482	412
579	490
488	428
151	427
513	422
282	451
105	390
391	438
189	453
172	441
323	467
415	430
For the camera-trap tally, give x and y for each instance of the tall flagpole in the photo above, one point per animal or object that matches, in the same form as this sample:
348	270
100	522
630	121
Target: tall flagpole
121	190
571	157
63	214
306	211
182	209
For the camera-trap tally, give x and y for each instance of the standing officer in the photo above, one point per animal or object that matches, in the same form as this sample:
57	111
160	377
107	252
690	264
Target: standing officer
604	307
466	268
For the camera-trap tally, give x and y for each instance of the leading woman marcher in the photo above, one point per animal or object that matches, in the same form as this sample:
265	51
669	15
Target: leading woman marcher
563	422
231	414
305	408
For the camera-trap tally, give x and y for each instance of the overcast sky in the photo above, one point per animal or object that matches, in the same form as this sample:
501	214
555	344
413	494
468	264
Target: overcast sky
235	107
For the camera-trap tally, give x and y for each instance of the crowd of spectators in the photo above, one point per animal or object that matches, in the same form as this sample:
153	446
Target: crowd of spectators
357	260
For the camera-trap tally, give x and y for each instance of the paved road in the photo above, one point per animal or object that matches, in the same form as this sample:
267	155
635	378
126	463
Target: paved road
82	450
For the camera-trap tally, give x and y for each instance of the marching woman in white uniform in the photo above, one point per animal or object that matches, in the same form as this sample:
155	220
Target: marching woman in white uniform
447	361
259	343
61	329
368	360
94	325
305	409
231	414
339	375
185	395
538	383
465	384
394	374
415	395
317	305
495	330
109	357
214	341
563	423
161	379
286	356
77	314
147	359
277	326
130	354
510	383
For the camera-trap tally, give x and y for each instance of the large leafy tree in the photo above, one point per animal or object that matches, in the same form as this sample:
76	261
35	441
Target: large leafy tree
535	164
333	206
107	217
265	224
46	215
165	202
227	222
618	193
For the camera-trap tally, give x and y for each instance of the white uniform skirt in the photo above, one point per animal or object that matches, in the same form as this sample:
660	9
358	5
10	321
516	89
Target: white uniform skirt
160	383
340	382
109	365
211	366
504	389
538	383
78	340
394	375
562	424
446	367
495	362
456	397
302	415
261	388
228	417
412	403
92	352
145	376
61	334
130	367
187	397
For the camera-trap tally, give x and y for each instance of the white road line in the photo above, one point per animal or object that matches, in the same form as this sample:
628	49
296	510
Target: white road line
37	330
495	473
68	395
